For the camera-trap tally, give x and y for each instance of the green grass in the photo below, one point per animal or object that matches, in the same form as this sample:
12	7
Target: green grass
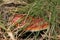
47	9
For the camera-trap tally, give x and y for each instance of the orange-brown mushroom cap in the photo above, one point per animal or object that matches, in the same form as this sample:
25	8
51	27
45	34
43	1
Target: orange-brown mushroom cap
36	24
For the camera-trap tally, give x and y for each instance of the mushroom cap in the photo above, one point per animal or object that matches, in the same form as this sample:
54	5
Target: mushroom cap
36	24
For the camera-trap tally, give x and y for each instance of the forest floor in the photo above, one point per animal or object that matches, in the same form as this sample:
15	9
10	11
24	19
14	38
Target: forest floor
49	10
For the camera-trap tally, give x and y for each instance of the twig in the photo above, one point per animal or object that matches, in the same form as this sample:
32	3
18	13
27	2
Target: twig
11	35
